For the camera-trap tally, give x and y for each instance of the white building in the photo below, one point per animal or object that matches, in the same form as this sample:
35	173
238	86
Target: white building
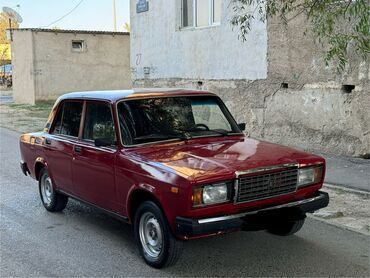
194	40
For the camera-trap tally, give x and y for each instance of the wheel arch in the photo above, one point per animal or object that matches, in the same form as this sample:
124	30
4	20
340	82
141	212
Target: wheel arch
40	163
138	196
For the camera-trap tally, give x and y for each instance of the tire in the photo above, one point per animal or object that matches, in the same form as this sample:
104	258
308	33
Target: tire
52	200
286	228
158	247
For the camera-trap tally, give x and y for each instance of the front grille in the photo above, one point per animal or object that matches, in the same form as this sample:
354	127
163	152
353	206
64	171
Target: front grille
264	186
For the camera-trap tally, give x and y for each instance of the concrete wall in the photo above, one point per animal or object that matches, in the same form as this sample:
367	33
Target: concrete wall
23	68
56	68
167	51
312	118
300	102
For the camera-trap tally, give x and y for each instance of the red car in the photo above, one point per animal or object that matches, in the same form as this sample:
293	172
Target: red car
172	162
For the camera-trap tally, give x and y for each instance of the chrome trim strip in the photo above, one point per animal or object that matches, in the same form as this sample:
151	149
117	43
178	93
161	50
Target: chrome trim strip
267	168
229	217
236	190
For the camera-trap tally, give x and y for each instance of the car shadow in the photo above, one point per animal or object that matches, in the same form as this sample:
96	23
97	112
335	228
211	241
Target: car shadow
236	254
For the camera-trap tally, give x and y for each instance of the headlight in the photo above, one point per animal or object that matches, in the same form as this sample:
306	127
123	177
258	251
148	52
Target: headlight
309	175
211	194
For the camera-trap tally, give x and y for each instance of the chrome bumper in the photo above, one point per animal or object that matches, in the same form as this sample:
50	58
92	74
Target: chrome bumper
196	227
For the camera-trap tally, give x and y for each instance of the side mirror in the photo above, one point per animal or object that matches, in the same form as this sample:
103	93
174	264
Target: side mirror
241	126
103	142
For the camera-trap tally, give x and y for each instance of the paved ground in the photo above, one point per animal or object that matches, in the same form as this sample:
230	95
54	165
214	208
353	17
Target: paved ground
84	242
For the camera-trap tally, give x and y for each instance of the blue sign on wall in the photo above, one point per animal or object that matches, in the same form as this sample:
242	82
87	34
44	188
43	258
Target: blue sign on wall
142	6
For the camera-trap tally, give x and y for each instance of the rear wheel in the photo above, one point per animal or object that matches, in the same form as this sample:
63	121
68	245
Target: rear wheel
157	245
286	228
52	200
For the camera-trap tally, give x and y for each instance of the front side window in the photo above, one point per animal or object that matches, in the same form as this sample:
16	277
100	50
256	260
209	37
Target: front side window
158	119
98	122
68	119
200	13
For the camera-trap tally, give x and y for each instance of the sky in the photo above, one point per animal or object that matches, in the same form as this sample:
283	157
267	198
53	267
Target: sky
89	15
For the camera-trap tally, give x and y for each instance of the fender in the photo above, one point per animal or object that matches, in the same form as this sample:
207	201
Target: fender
145	188
39	160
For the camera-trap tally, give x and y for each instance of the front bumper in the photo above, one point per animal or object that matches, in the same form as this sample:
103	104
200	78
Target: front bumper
24	168
250	220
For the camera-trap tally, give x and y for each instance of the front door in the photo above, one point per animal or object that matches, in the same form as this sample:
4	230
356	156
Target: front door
93	168
60	142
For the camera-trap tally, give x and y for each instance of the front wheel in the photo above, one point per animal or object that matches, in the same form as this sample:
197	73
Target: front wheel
52	200
157	245
286	228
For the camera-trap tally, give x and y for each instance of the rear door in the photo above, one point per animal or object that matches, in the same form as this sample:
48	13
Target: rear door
60	141
93	168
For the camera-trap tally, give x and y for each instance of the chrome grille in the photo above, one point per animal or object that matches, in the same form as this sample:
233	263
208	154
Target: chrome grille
266	185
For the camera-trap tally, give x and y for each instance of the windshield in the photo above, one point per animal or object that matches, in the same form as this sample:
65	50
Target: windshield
157	119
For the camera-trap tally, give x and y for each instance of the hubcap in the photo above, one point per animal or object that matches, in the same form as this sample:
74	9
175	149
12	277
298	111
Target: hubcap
46	189
150	233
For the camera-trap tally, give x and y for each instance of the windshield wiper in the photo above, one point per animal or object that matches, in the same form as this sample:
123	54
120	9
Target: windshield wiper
218	131
181	134
164	136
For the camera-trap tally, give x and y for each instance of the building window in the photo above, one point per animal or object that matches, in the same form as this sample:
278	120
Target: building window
200	13
78	46
187	13
216	11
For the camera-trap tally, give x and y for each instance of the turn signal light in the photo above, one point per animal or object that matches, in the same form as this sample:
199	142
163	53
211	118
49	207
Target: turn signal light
197	197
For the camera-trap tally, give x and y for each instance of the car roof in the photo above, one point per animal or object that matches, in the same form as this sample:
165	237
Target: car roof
115	95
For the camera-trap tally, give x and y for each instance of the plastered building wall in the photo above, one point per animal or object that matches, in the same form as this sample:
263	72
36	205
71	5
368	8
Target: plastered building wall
53	67
160	48
23	68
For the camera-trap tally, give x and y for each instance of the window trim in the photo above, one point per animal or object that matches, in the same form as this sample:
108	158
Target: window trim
215	23
60	105
211	21
223	107
83	120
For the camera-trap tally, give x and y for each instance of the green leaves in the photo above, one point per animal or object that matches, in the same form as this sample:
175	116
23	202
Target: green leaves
337	24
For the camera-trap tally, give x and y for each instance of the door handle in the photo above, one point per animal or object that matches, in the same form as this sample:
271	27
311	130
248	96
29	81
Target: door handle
77	149
47	141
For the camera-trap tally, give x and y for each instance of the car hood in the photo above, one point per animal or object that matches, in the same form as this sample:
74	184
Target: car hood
204	159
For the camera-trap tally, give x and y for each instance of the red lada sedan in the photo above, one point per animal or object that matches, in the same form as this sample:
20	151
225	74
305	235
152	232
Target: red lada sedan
174	163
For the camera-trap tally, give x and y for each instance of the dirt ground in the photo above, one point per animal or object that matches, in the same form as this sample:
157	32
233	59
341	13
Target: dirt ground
25	118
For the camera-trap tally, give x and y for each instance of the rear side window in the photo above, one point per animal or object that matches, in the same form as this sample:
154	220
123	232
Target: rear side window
68	119
98	122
